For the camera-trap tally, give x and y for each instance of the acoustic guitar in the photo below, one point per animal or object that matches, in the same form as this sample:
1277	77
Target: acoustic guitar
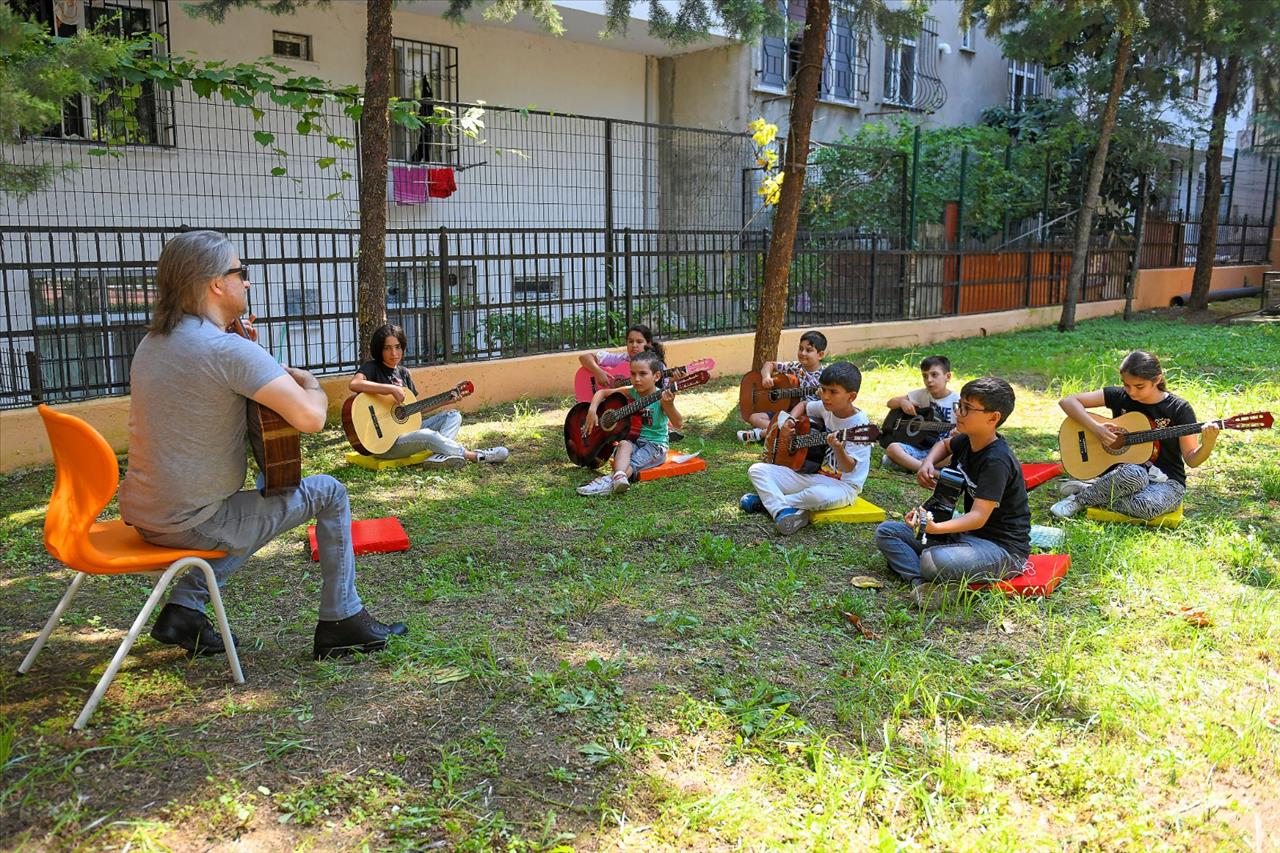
787	390
1085	457
275	442
373	422
921	430
793	455
585	384
618	419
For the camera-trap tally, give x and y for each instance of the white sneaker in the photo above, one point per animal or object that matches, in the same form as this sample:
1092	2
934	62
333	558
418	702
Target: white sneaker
619	483
442	460
493	455
1066	507
1073	487
602	485
749	436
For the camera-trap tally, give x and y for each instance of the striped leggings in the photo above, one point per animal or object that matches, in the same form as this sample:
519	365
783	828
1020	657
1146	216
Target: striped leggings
1127	489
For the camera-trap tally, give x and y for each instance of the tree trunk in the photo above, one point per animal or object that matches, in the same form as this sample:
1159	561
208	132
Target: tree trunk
1139	234
786	217
1097	167
371	271
1227	82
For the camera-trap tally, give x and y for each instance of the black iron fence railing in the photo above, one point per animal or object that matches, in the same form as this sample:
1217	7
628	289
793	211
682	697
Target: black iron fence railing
76	301
1174	242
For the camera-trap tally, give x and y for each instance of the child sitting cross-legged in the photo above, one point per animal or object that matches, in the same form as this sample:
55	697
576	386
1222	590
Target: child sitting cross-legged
990	541
935	371
806	368
789	496
650	448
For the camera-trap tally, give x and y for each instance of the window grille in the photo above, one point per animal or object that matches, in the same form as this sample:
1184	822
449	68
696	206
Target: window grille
427	74
291	45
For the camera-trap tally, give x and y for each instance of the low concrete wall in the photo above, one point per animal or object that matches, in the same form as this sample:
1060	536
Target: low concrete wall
1156	288
23	442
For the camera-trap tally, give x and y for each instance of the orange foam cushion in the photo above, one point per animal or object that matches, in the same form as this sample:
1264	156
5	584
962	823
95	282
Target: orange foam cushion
1043	574
671	468
1039	473
370	536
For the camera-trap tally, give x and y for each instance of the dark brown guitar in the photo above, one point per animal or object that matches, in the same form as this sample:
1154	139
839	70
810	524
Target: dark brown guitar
276	447
793	456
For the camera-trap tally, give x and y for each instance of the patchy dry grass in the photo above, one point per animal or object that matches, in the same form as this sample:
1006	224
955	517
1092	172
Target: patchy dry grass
660	672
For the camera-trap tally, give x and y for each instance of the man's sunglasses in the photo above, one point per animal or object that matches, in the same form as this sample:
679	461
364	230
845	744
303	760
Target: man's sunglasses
243	272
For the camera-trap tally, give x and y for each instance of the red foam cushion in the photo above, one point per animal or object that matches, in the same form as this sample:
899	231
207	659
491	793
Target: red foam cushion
370	536
1043	574
674	469
1039	473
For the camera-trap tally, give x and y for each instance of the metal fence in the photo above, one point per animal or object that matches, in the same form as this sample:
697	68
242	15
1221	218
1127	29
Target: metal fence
1175	242
77	300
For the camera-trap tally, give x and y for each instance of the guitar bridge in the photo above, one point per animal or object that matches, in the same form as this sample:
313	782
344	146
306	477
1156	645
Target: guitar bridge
1084	447
373	418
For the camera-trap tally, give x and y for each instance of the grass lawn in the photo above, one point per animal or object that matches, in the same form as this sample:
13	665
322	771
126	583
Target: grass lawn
658	671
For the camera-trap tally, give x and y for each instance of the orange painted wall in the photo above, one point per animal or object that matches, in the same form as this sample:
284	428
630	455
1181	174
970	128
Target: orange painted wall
1155	288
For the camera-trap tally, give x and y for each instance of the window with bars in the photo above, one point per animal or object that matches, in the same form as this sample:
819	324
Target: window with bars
291	45
911	76
845	72
525	289
145	115
427	74
1025	82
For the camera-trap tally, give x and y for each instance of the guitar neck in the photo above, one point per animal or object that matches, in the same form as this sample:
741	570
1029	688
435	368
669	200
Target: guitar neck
813	439
1149	435
428	403
635	406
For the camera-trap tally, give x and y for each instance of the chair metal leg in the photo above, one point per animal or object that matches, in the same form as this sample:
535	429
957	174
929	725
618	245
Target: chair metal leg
52	623
224	627
127	643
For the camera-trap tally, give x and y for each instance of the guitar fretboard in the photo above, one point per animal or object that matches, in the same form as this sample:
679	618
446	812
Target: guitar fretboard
426	403
615	415
1149	435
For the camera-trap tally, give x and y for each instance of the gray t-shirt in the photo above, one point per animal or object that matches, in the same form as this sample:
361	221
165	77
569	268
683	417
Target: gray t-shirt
187	423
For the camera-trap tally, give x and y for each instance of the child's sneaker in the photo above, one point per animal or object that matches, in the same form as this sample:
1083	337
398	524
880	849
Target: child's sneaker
1067	488
619	483
601	485
444	460
925	596
790	520
1067	507
675	436
750	503
750	436
493	455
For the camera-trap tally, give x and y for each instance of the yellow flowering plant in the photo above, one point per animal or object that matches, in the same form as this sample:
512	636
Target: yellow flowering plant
763	134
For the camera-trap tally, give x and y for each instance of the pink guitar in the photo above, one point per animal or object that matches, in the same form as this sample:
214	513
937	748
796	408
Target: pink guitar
585	385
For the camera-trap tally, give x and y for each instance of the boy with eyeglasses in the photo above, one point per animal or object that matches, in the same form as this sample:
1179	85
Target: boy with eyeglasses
990	541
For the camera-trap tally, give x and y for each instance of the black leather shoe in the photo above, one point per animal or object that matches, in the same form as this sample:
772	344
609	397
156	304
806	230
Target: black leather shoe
189	629
675	436
359	633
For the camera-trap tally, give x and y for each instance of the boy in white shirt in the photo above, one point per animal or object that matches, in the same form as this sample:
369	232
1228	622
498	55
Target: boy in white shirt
936	373
790	496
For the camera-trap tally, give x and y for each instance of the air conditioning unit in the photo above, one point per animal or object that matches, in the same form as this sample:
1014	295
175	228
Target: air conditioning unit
1271	292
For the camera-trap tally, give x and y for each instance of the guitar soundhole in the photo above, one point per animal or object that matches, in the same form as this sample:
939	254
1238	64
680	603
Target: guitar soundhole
398	414
1117	451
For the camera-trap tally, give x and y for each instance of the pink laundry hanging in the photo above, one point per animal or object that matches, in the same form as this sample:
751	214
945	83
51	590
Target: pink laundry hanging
409	184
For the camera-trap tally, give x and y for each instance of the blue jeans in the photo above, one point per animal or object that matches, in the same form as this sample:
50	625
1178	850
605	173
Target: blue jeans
438	434
957	557
246	521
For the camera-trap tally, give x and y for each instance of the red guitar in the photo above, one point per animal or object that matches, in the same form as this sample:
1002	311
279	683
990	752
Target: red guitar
275	442
793	456
618	419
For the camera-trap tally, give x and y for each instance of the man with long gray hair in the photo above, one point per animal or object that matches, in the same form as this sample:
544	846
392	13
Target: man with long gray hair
187	430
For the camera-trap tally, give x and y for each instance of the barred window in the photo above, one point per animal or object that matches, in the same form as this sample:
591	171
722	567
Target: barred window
1025	82
427	74
845	71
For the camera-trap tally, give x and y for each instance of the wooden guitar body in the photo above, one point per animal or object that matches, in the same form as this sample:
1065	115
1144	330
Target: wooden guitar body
585	385
276	444
754	397
776	451
372	423
1084	457
921	430
594	449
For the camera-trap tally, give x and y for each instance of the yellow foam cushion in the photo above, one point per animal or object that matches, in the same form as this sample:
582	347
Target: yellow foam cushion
373	463
1170	519
860	511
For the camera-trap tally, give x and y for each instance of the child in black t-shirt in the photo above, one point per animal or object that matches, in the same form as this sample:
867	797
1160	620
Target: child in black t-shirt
991	540
1139	491
384	374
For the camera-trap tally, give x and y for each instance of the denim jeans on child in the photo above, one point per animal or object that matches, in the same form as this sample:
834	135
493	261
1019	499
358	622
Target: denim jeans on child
955	557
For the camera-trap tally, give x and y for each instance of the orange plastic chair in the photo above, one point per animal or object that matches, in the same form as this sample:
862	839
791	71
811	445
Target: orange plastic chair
86	477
